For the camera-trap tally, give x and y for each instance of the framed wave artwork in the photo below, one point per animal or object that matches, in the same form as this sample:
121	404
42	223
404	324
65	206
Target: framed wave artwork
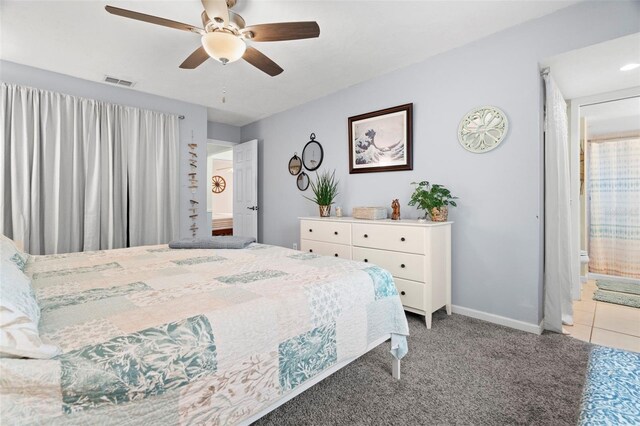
381	141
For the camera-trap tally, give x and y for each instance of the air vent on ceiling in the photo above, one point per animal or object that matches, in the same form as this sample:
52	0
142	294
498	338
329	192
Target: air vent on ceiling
118	81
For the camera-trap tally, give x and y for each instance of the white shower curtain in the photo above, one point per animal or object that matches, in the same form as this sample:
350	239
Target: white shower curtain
70	172
557	223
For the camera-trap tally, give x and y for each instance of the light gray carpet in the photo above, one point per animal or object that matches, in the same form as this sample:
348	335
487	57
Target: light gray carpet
463	371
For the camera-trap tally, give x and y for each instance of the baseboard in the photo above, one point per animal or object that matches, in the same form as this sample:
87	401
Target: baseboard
497	319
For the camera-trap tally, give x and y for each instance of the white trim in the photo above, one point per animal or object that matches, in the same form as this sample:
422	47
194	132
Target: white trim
306	385
497	319
593	276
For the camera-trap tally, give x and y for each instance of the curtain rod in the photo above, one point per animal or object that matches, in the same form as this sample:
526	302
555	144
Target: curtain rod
545	71
181	117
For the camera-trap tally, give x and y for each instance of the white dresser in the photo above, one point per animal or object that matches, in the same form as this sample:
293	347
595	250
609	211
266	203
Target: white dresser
418	254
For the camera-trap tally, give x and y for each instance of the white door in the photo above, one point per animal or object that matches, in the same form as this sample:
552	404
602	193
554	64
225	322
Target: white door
245	189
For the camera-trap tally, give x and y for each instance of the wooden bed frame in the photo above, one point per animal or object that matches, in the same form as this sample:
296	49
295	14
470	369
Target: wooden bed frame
395	372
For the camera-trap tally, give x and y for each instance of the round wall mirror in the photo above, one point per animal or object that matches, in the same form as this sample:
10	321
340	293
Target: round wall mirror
312	154
302	181
295	164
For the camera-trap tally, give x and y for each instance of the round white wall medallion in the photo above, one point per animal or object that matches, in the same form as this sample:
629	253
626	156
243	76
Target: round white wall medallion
482	129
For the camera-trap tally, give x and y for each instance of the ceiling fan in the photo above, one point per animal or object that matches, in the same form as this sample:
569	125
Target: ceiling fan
224	34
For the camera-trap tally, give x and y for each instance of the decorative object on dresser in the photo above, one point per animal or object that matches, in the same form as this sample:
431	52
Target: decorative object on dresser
325	191
295	164
381	141
417	254
395	207
483	129
433	199
312	154
369	213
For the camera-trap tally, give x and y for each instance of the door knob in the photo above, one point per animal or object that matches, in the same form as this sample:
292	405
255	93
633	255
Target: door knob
254	208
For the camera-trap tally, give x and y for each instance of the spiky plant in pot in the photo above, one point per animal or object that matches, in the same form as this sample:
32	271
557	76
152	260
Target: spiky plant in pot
325	191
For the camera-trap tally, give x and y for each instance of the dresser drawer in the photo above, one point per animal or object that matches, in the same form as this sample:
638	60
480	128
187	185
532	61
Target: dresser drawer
329	232
326	249
401	265
408	239
411	293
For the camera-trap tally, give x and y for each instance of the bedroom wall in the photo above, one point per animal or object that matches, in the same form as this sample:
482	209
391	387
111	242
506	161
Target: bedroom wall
193	127
223	132
497	235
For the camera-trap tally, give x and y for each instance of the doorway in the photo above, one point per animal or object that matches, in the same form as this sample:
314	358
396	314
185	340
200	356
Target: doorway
220	187
601	86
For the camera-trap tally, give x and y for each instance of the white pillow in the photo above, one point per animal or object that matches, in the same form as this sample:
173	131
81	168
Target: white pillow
19	310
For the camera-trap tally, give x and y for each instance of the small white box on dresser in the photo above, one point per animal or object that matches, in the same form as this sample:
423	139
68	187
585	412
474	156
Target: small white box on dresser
417	254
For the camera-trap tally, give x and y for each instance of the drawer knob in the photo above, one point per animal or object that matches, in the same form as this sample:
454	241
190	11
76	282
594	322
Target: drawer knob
402	239
402	293
310	250
336	254
335	232
366	261
366	236
402	265
310	230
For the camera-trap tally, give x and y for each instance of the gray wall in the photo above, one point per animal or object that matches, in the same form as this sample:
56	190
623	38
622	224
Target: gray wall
194	124
497	237
223	132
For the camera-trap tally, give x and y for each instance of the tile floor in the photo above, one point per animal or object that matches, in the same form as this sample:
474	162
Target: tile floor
605	324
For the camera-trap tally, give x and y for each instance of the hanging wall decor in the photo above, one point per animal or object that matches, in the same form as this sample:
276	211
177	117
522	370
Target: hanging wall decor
381	141
302	181
218	184
295	164
312	154
193	186
483	129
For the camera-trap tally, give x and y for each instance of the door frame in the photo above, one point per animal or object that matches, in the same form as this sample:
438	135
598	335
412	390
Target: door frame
220	143
574	169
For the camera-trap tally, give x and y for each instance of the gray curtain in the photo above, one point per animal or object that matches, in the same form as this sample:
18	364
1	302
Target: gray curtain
79	174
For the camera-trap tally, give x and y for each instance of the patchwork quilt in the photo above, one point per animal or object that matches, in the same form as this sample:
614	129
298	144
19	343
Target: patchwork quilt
151	335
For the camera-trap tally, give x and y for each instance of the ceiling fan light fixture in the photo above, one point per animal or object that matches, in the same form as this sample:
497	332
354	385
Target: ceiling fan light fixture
223	46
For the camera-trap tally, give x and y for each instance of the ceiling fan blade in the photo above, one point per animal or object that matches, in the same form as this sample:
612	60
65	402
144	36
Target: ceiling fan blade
153	19
217	11
283	31
195	59
261	61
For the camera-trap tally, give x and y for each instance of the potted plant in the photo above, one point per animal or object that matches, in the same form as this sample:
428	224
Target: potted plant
433	199
325	190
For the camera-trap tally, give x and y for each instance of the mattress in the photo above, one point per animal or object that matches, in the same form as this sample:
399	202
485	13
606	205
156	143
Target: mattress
152	335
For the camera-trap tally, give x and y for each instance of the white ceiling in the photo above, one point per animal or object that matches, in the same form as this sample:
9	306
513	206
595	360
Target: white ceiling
358	41
596	69
619	116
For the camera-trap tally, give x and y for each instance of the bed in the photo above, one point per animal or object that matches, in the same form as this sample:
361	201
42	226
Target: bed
221	224
151	335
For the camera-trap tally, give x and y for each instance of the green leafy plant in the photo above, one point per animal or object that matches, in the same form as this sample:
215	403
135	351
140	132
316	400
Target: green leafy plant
325	188
427	196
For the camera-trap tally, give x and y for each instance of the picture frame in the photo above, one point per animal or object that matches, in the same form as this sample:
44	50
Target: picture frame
381	141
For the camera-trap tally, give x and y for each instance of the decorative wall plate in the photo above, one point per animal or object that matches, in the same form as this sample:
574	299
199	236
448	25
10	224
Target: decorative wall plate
483	129
218	184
